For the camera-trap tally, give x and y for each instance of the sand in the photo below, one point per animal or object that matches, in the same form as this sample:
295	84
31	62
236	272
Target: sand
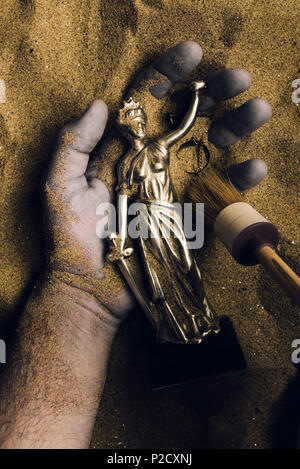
56	58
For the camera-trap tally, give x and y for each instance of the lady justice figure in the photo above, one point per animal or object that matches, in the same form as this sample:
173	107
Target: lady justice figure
175	302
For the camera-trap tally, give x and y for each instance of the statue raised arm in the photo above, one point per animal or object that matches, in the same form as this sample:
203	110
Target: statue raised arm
187	123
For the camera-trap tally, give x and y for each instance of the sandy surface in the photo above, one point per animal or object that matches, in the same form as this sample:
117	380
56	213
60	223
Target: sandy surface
56	58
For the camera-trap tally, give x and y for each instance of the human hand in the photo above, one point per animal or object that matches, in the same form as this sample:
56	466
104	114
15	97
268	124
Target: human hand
75	251
73	192
219	86
235	124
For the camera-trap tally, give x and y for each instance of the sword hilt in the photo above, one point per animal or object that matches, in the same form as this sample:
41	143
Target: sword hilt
116	253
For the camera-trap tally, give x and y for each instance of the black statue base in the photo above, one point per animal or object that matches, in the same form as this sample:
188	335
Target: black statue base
172	364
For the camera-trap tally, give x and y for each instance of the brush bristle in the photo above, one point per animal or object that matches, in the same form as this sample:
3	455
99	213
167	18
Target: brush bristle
214	191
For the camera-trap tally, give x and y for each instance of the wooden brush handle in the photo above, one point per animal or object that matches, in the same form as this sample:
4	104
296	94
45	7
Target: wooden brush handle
281	272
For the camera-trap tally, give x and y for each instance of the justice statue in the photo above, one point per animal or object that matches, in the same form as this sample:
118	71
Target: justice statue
168	285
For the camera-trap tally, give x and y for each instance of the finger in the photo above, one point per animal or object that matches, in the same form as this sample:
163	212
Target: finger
239	122
76	141
247	174
224	84
174	65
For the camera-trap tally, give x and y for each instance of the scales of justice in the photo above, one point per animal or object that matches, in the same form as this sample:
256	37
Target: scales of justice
169	285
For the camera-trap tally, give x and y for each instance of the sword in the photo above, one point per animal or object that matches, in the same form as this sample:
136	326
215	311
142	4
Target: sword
116	257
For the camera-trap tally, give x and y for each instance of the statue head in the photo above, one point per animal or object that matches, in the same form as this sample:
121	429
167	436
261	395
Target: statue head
132	119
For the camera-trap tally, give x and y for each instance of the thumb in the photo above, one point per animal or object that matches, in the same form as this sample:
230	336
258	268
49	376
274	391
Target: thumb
76	141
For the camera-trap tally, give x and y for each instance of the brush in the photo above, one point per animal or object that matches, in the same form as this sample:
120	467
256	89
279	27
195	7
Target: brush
248	236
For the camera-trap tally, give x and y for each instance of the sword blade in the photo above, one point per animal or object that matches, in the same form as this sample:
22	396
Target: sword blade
136	288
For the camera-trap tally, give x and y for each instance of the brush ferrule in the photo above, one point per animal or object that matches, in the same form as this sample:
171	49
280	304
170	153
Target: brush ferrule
244	231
